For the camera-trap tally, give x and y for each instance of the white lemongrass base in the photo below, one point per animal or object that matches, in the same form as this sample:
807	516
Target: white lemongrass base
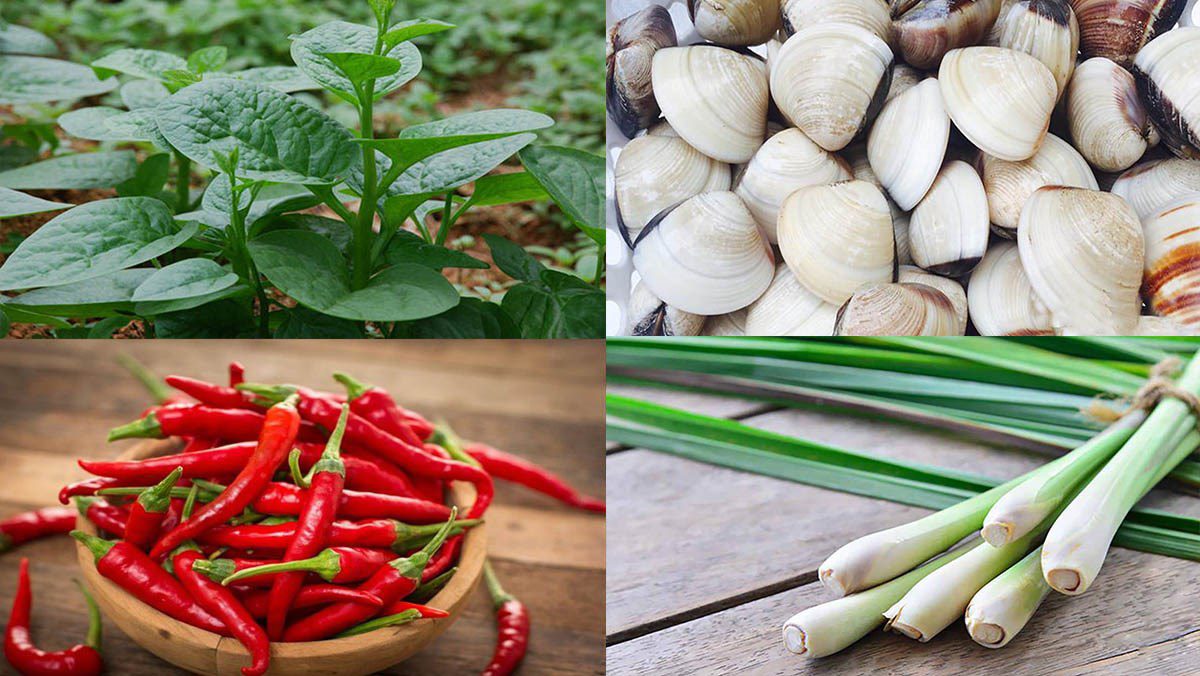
1001	609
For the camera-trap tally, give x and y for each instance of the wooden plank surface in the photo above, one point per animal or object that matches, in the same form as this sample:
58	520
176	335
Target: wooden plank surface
706	563
542	399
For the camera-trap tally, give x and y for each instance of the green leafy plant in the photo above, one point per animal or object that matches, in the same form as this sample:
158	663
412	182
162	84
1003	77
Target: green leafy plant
213	264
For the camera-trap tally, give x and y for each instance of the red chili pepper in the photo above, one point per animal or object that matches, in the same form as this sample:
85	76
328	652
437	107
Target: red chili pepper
202	421
86	487
430	589
139	575
309	596
369	533
79	660
397	607
106	517
512	621
197	444
340	565
147	513
211	394
376	406
518	470
237	373
409	457
400	612
38	523
391	582
279	431
286	499
223	604
444	560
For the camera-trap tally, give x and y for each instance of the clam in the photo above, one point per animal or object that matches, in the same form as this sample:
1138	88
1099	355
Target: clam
830	81
1000	298
1044	29
1167	72
836	238
728	324
1000	99
1152	184
735	22
1009	184
904	78
873	15
1118	29
1172	282
860	167
1107	119
715	99
705	256
787	161
924	33
631	45
897	310
908	141
788	308
948	232
911	274
654	172
1083	253
649	316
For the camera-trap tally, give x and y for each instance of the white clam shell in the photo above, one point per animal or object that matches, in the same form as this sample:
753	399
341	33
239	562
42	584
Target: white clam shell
908	142
1000	298
904	78
648	315
906	309
872	15
1168	77
1107	120
1009	184
1172	281
949	229
829	80
788	308
1044	29
953	289
836	238
655	172
1000	99
715	99
735	22
788	161
1150	185
705	256
860	167
1083	252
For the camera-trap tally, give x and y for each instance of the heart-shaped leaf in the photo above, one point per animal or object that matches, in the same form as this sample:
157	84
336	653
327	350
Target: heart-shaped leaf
73	172
339	36
13	203
35	79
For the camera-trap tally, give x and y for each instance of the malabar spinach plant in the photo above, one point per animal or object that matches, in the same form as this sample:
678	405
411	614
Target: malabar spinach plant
214	264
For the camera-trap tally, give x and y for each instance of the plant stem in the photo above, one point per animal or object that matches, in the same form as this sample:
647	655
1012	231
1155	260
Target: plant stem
1002	608
447	213
183	175
364	229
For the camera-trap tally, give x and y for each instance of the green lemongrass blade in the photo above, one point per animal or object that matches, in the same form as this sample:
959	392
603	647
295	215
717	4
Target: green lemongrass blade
1025	358
1174	344
1097	348
1072	418
999	611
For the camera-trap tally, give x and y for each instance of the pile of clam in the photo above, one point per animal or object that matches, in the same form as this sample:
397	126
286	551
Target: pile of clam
1009	167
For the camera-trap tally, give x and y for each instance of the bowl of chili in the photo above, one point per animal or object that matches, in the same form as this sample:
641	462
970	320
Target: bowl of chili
206	652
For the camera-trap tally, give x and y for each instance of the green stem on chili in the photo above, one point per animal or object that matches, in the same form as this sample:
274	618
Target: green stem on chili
379	623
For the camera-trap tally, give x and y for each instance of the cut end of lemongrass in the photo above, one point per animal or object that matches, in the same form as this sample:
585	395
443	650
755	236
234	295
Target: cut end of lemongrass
794	639
997	534
829	579
986	634
1065	581
908	630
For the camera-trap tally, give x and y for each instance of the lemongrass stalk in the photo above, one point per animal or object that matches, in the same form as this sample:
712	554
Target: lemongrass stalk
830	627
1020	510
999	611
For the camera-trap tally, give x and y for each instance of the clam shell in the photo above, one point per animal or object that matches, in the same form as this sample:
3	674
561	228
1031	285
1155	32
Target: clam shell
715	99
928	30
999	99
655	172
949	229
908	141
1108	122
1150	325
649	316
788	308
728	324
904	78
786	162
830	81
1118	29
705	256
897	310
1150	185
1083	253
631	45
873	15
1000	298
836	238
1167	72
860	167
911	274
1044	29
1172	281
735	22
1009	184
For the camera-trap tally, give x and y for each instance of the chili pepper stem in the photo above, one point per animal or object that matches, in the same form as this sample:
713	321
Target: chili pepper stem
268	394
403	617
499	596
95	624
157	497
98	546
354	388
298	477
413	565
143	428
190	503
327	564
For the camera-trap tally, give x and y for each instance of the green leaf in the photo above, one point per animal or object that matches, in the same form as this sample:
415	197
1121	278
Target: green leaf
186	279
106	327
216	207
34	79
160	307
309	268
286	79
398	208
150	178
407	30
499	121
471	318
575	180
73	172
358	68
407	247
138	94
382	9
278	138
178	79
222	319
16	39
451	168
506	189
513	260
207	59
149	64
339	36
561	306
101	123
13	203
26	316
332	229
93	240
94	297
301	322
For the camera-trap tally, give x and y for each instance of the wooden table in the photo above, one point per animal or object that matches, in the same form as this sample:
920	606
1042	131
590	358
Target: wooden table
542	399
706	563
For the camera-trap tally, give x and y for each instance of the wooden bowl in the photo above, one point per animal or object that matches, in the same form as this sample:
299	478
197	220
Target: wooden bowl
204	652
